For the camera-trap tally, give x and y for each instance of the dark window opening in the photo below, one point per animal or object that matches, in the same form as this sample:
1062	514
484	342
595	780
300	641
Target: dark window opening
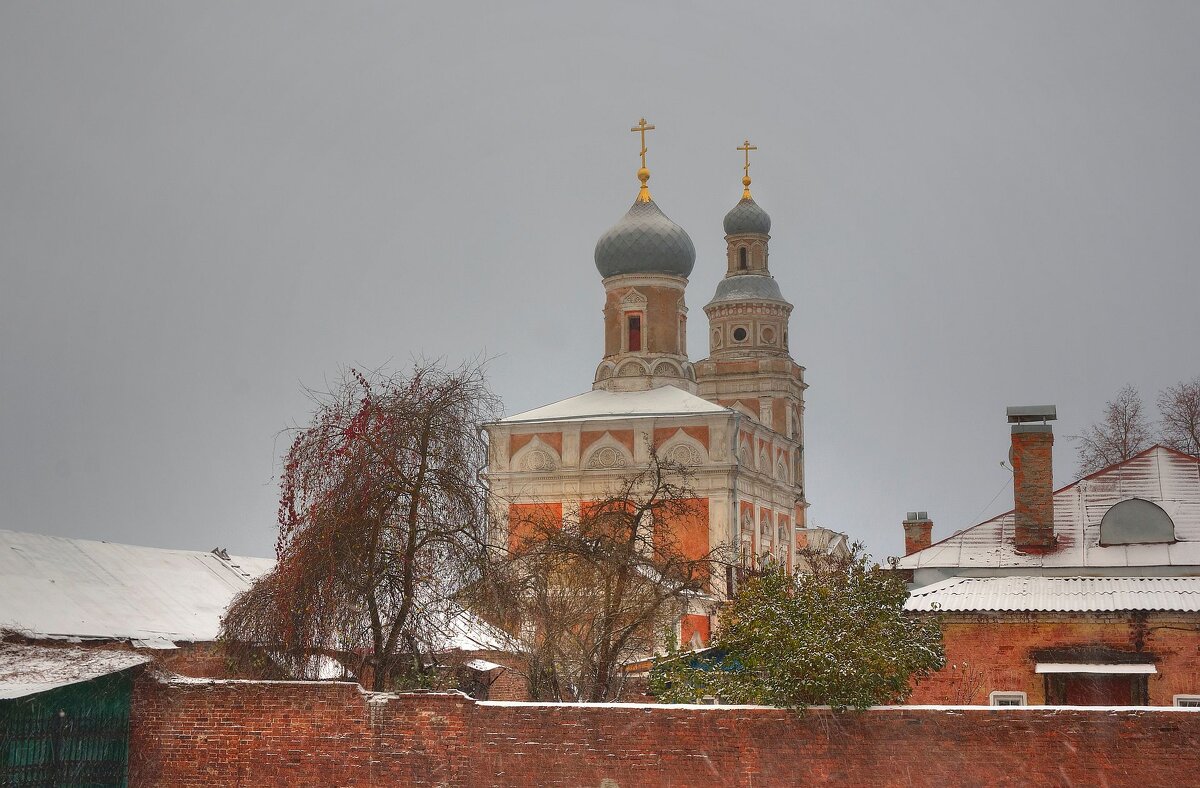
1096	689
742	258
739	335
635	332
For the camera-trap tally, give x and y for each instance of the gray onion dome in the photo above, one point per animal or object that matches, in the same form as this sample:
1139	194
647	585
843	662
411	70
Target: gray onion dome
747	217
645	241
748	287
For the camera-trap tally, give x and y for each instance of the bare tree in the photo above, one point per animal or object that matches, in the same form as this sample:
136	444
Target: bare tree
381	523
1179	411
589	593
1122	433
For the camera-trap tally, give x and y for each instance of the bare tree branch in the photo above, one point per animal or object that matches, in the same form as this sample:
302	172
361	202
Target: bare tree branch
381	524
1179	412
1122	433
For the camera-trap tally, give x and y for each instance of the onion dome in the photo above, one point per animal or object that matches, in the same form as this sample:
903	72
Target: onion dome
747	218
645	241
748	287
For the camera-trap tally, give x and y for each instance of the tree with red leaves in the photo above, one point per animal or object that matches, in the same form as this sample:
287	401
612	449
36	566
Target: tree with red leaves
381	524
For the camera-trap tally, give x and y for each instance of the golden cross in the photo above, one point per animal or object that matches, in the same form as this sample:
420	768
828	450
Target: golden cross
746	147
643	128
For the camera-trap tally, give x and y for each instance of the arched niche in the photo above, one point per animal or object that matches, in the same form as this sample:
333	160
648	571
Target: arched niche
1136	521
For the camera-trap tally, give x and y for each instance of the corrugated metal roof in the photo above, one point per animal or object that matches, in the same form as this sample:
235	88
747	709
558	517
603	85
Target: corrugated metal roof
52	587
1166	477
1058	594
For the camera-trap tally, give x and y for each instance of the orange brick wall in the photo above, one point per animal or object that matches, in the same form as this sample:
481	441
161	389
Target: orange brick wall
995	653
551	439
660	319
588	437
688	531
663	434
199	735
691	625
526	519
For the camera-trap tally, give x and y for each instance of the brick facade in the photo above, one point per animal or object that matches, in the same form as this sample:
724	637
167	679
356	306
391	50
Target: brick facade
246	733
998	652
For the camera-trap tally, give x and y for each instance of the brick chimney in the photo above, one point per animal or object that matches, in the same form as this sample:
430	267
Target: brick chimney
1032	458
918	532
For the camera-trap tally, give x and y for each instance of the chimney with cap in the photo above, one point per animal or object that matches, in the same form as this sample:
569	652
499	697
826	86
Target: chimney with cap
1032	458
918	532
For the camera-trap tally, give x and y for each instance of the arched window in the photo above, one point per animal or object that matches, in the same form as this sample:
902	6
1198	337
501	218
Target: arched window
635	333
742	264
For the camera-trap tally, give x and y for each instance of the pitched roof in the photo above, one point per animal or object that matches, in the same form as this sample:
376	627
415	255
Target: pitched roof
28	670
1066	594
601	404
1164	476
53	587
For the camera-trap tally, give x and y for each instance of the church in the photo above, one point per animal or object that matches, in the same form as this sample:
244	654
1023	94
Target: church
735	418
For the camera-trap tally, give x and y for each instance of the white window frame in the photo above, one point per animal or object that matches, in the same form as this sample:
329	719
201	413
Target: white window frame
1186	701
1008	695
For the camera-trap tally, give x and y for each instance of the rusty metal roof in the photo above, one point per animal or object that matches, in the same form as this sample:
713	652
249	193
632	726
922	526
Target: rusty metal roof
1058	594
1166	477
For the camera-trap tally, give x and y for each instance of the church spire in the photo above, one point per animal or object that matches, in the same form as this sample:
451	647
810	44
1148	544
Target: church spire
643	174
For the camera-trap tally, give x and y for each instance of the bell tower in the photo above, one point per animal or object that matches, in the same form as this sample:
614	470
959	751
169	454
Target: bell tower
749	366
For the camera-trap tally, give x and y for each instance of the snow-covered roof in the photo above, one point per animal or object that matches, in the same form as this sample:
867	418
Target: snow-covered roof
28	670
464	631
1058	594
53	587
1166	477
600	404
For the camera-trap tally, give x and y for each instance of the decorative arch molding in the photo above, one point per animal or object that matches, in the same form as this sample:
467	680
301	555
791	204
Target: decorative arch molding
744	456
606	454
667	368
781	472
537	456
631	368
605	370
683	449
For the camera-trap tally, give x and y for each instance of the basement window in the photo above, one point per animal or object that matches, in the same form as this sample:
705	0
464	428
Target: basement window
1187	701
1008	699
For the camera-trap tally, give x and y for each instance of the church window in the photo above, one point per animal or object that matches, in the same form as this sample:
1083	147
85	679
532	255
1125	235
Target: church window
635	332
739	334
742	259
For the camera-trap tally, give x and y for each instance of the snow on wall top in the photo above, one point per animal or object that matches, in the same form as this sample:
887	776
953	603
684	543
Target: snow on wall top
600	404
1058	594
53	587
28	670
1166	477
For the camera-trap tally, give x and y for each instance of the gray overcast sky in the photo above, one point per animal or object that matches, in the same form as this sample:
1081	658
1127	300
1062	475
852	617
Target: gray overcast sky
206	206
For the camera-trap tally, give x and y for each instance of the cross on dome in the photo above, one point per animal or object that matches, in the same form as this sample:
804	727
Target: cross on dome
746	147
643	174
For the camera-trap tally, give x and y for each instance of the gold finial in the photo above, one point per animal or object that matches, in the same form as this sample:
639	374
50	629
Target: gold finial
746	147
643	174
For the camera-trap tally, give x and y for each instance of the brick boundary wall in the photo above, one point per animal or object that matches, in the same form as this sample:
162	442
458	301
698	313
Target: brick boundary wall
218	733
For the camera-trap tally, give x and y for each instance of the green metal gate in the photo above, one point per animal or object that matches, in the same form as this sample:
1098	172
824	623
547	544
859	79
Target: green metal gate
75	735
